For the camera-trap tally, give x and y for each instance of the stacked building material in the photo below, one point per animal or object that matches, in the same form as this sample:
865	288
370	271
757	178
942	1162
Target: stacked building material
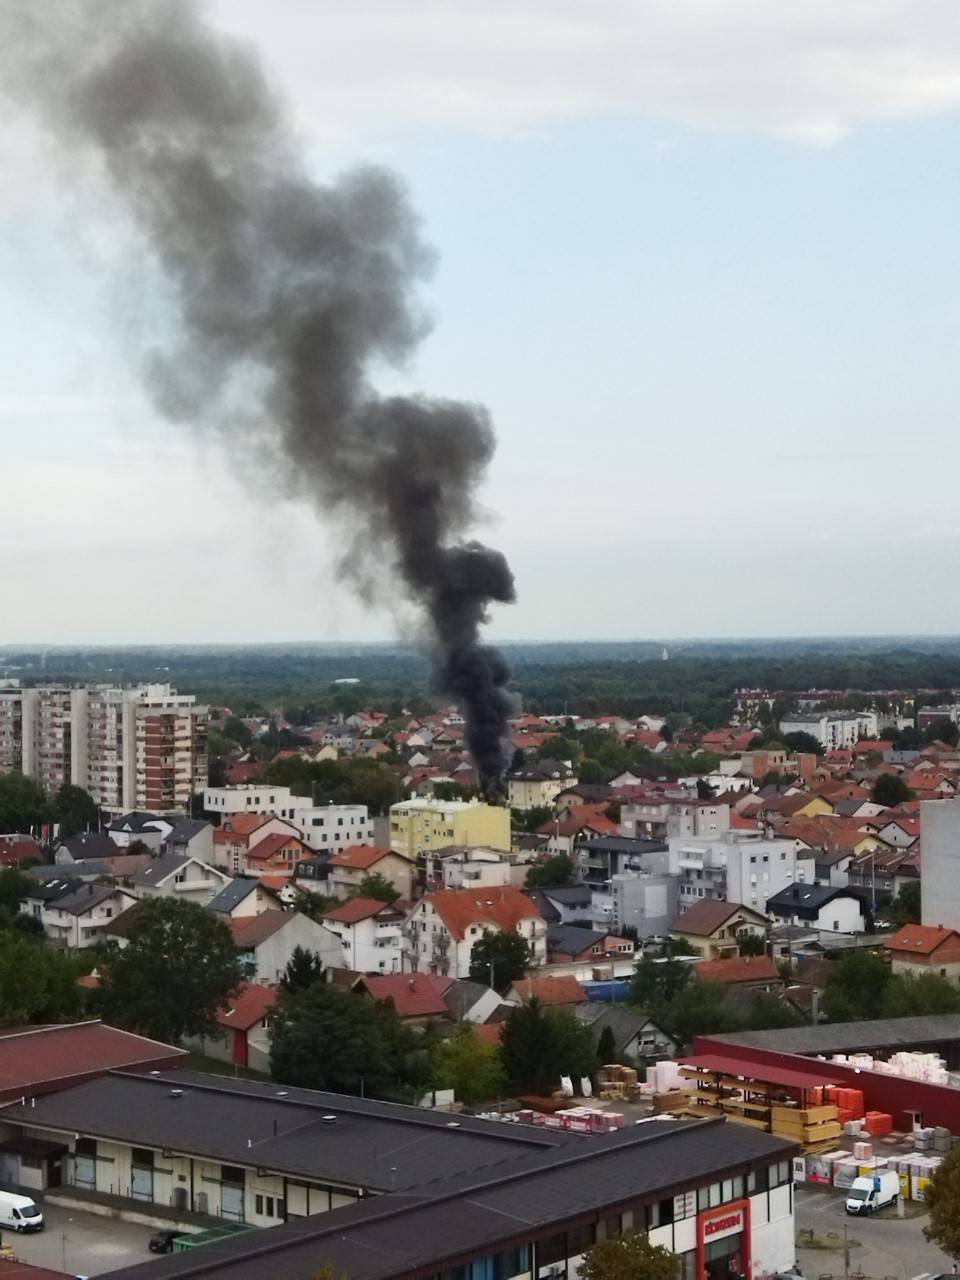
810	1126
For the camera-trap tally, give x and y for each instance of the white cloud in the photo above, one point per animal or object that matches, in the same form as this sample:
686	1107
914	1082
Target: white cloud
809	70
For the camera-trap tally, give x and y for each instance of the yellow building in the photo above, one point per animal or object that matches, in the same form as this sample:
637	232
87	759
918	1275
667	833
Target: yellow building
422	823
537	785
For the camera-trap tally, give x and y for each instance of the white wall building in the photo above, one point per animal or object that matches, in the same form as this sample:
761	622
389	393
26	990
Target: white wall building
325	828
940	882
441	930
834	729
371	934
738	868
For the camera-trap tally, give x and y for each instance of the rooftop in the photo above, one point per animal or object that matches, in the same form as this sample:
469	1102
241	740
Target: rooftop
403	1235
360	857
842	1037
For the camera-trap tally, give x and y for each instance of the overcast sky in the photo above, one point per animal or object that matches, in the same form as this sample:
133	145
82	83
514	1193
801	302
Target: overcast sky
699	259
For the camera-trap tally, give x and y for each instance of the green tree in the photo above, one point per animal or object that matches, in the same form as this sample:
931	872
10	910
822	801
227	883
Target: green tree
37	983
768	1012
328	1038
942	1198
178	969
629	1257
452	791
606	1046
554	873
855	988
658	982
22	804
913	995
591	771
468	1065
14	886
804	742
942	731
526	821
540	1045
499	959
890	789
905	908
376	885
701	1008
75	810
237	732
752	944
303	969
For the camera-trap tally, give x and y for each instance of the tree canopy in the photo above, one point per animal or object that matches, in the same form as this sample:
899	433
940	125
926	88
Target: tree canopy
328	1038
554	873
468	1065
376	885
539	1045
75	810
179	967
943	1201
629	1257
499	959
304	968
890	790
37	983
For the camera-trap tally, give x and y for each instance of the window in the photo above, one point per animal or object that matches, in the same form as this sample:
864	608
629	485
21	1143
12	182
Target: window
580	1239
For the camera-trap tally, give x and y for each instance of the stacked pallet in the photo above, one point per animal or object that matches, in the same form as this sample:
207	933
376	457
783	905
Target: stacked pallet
812	1127
619	1084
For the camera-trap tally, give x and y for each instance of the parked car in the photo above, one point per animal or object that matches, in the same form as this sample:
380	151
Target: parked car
162	1241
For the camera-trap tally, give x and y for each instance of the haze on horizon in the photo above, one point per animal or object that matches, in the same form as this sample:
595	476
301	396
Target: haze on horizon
700	267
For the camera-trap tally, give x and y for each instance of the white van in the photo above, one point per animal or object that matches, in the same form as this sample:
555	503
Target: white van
19	1212
869	1194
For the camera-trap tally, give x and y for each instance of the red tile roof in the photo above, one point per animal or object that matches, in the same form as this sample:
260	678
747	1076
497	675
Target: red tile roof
489	1032
35	1060
581	817
919	939
501	905
14	850
269	845
414	995
738	969
359	856
562	989
249	1006
355	910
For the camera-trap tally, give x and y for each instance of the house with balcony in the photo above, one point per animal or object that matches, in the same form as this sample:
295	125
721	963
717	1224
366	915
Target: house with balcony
178	876
346	870
75	913
606	856
441	930
537	785
265	943
275	855
371	934
714	930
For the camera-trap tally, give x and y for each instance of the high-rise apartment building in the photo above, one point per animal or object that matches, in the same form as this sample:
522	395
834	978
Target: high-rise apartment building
143	747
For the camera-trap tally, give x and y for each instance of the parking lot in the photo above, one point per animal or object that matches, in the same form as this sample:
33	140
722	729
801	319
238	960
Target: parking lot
81	1244
888	1246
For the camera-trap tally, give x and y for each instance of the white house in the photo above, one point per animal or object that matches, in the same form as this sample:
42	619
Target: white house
330	827
371	934
177	876
267	941
73	914
819	907
442	928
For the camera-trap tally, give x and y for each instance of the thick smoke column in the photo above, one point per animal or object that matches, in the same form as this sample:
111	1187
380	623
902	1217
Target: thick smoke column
283	297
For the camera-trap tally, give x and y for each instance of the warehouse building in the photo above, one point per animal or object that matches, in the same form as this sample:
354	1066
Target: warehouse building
717	1194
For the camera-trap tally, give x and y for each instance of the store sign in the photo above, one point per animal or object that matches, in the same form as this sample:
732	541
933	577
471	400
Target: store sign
726	1224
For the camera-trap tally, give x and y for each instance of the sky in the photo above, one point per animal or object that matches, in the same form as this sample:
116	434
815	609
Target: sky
699	260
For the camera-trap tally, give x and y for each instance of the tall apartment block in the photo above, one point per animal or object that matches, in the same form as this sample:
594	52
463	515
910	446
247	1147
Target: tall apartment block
143	747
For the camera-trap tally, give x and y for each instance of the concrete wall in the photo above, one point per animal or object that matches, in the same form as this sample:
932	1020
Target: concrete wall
940	882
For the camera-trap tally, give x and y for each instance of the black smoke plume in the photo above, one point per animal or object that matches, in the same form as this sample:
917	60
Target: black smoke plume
282	297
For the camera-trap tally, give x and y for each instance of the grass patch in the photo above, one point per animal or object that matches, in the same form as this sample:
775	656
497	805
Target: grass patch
807	1239
214	1067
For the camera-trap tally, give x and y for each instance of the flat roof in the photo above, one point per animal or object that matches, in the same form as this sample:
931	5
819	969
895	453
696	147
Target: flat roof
403	1235
791	1078
841	1037
379	1146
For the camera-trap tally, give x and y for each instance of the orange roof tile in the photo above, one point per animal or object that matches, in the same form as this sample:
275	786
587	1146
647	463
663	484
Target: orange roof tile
414	995
562	989
501	905
919	939
359	856
247	1007
738	969
355	910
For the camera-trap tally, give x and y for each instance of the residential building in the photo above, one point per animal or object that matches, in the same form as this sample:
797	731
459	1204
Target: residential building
740	867
635	1034
927	716
575	826
714	930
244	896
536	785
244	1022
175	876
570	904
559	990
325	828
442	928
641	901
570	942
422	997
752	973
940	882
834	729
347	870
236	837
371	933
501	1203
192	837
422	824
819	907
472	868
917	948
74	913
267	941
607	856
276	854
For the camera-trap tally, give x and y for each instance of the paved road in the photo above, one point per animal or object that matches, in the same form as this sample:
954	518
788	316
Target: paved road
889	1246
82	1244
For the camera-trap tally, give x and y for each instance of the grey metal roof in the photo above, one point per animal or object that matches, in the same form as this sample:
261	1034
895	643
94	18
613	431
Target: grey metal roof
840	1037
376	1145
86	897
572	939
625	1022
572	895
232	894
160	868
397	1235
52	889
136	820
185	829
622	844
807	898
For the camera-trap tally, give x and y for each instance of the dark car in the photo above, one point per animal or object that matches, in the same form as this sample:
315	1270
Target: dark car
162	1241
